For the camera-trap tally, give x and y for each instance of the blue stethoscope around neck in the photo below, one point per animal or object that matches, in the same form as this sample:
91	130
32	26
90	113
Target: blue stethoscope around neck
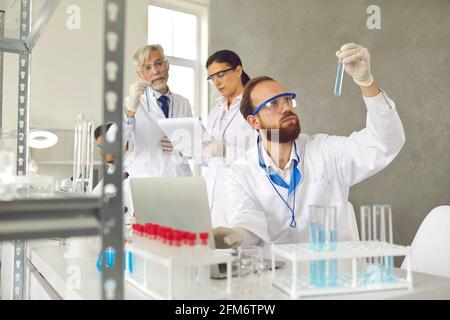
296	178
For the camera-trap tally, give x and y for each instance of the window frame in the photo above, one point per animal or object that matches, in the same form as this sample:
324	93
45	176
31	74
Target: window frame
200	9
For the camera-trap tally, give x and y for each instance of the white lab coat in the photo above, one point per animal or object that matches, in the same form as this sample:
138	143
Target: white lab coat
329	166
148	158
229	127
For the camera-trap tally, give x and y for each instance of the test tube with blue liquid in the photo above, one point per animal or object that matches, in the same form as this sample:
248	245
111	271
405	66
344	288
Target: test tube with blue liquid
313	242
323	236
321	264
331	244
107	259
339	78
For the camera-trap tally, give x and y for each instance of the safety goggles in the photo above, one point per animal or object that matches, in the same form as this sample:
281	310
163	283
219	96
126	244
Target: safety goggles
287	99
218	75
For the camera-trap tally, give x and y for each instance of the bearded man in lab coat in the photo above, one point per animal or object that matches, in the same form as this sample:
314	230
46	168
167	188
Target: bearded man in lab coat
151	99
270	190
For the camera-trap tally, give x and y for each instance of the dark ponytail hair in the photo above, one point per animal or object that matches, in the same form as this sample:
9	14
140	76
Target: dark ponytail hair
231	58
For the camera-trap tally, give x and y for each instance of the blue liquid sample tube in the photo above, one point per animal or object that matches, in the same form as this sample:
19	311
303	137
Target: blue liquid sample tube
388	269
321	244
332	264
110	257
313	235
313	245
339	78
333	240
313	266
321	273
332	273
130	261
100	261
107	259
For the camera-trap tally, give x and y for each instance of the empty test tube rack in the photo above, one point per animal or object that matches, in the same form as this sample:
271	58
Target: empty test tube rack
298	286
169	266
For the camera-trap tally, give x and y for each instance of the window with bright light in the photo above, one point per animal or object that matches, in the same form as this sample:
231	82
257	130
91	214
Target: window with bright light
179	32
176	31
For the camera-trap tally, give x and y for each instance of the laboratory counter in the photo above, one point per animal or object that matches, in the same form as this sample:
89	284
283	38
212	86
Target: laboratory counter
52	276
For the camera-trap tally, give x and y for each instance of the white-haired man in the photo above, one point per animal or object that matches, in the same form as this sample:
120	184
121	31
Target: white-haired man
151	99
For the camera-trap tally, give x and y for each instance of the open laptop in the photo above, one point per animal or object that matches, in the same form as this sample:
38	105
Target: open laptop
176	202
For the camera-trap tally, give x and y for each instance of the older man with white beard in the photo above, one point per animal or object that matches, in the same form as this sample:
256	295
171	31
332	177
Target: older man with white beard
149	100
270	190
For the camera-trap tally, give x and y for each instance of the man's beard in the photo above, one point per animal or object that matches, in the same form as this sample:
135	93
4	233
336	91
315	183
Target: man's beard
160	86
284	134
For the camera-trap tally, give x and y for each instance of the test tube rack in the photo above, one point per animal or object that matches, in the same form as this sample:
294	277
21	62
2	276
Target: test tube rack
140	251
299	286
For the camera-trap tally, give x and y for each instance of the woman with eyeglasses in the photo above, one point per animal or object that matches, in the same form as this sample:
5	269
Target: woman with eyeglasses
230	133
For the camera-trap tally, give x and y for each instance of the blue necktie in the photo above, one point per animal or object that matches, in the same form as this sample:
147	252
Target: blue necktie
165	105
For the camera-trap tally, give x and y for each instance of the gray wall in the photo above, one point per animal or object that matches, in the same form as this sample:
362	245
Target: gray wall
295	42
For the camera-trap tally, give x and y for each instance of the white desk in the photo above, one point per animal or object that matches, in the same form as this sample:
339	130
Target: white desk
50	263
48	259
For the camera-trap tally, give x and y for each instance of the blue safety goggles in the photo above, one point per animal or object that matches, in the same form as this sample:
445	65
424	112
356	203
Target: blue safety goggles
278	101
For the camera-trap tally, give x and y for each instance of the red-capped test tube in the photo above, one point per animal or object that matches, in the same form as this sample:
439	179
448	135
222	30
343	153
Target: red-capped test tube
204	237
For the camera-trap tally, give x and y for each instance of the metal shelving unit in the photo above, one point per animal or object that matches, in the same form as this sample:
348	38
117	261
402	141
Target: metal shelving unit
2	35
66	215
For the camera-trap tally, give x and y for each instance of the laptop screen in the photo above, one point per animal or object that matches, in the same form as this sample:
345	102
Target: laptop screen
176	202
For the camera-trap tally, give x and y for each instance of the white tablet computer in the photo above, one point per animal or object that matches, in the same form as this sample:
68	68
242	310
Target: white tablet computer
186	134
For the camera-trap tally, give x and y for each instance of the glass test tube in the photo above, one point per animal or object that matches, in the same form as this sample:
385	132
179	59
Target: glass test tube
321	271
331	244
203	271
379	226
313	243
339	78
388	237
323	236
365	213
382	231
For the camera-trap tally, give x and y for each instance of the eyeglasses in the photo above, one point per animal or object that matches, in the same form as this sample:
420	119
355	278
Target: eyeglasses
157	65
218	75
287	99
